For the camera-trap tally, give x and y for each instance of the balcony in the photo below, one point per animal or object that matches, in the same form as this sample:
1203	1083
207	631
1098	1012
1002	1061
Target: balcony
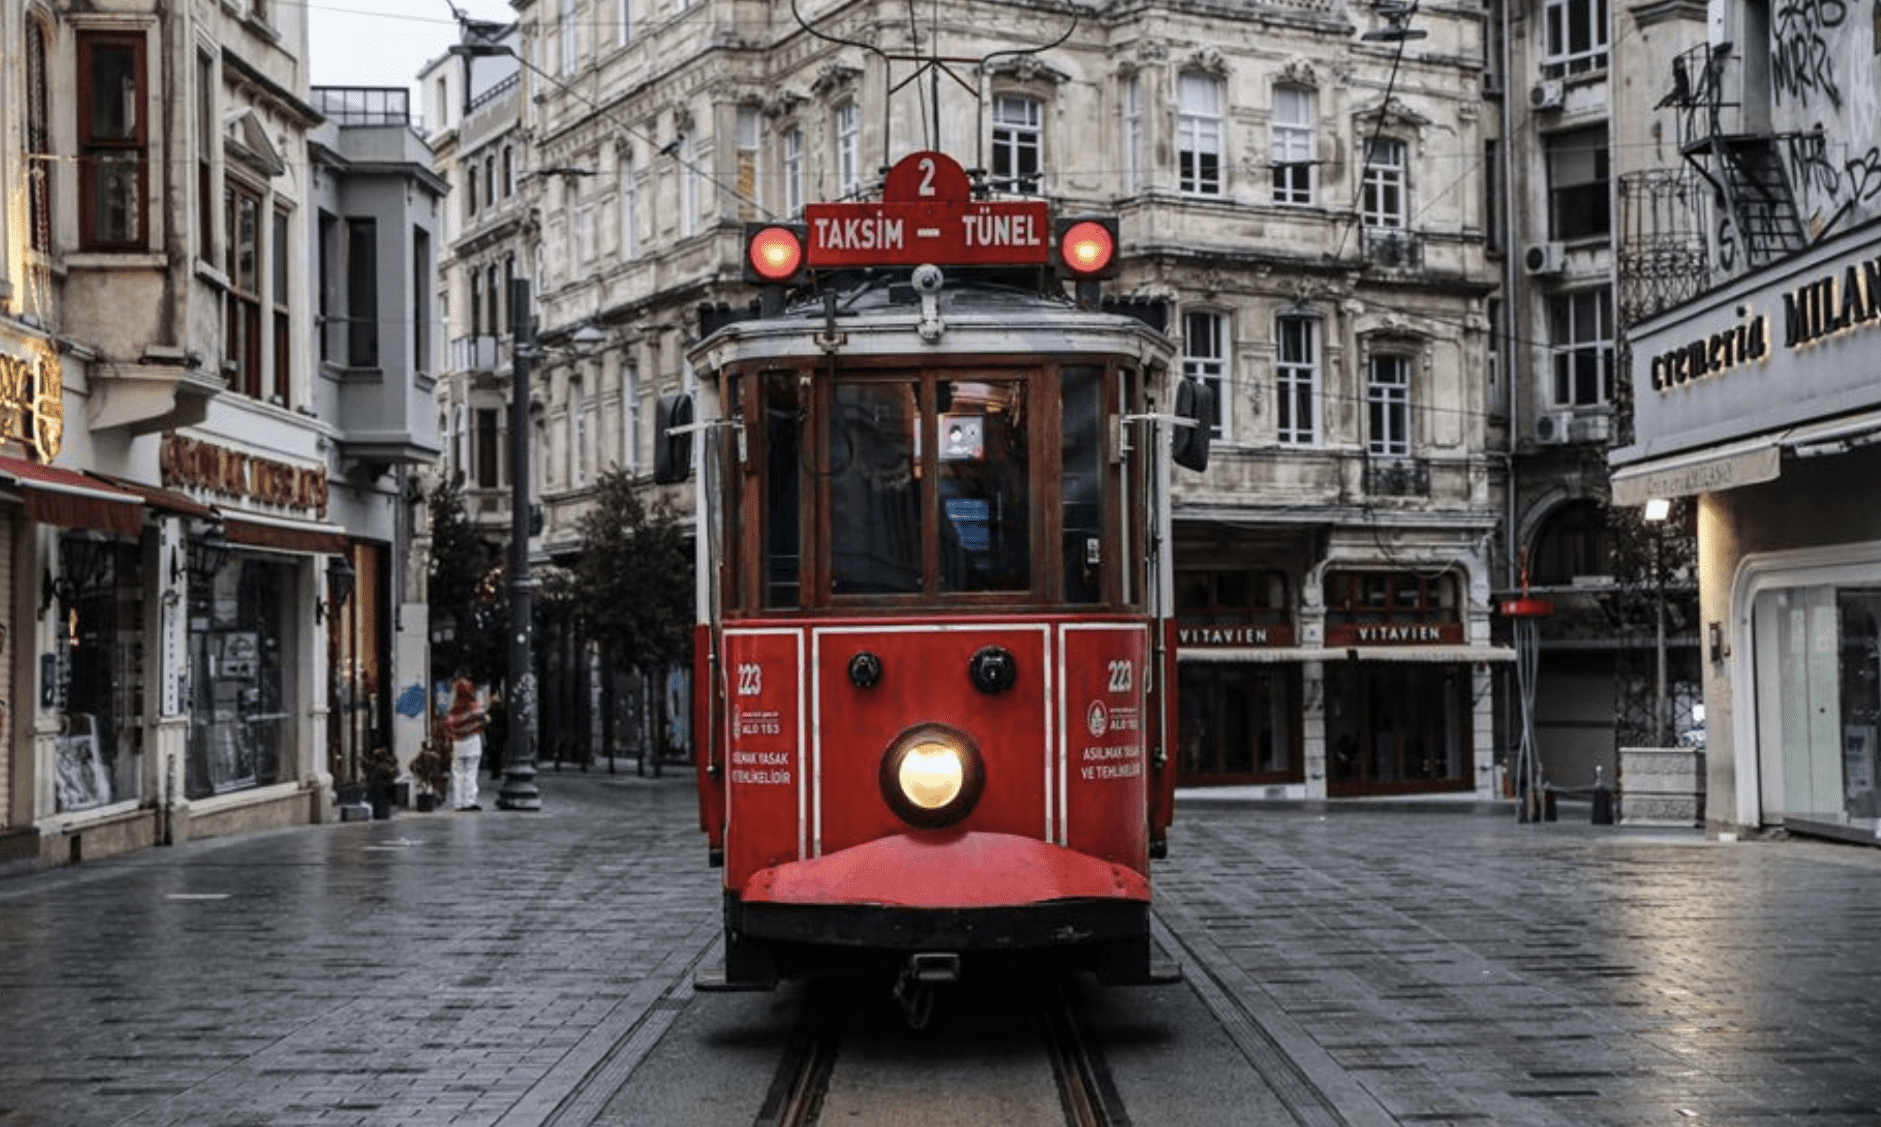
477	354
1397	477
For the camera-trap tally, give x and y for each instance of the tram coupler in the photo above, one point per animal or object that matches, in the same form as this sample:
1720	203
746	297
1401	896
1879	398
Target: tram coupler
914	987
934	966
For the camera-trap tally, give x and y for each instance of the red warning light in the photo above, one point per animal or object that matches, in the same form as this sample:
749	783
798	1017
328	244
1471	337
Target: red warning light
1087	248
774	254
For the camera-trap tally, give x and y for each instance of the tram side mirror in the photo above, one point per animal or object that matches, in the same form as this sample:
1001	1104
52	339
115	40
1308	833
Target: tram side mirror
672	453
1195	401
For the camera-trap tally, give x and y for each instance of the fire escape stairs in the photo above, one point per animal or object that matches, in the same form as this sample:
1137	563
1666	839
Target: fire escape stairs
1757	192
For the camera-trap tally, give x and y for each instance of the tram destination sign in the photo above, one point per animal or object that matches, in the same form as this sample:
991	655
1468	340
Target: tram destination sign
927	215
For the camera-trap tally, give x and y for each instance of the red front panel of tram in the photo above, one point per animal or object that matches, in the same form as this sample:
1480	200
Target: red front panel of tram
925	680
1063	747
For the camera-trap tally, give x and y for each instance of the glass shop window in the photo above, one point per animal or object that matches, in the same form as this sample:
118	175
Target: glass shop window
240	718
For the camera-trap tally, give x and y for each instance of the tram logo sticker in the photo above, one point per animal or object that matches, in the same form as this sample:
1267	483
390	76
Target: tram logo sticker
1097	719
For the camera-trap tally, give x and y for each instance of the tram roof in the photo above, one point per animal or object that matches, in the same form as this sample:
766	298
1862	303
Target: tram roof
880	316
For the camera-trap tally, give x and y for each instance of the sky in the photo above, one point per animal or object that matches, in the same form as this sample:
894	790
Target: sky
385	42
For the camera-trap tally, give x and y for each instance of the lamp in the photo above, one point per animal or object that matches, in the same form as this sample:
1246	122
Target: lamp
340	580
443	627
206	555
82	563
1657	509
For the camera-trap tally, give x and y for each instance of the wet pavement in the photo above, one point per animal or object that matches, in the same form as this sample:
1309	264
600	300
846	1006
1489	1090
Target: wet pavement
1414	965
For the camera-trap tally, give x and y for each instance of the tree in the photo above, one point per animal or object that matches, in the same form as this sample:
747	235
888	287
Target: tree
466	590
634	580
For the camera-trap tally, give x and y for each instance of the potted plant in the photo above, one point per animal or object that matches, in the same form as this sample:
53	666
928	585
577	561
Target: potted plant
381	771
432	768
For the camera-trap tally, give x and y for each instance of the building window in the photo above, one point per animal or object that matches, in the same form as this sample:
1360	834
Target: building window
486	440
1198	134
38	140
630	416
241	249
327	285
489	180
793	171
577	434
1017	128
362	293
241	677
750	179
1205	358
568	44
278	268
1293	145
624	34
580	216
1580	328
509	171
1576	37
688	190
1296	379
207	142
848	139
1382	202
1388	406
629	209
495	293
1577	184
1133	162
421	283
470	190
113	166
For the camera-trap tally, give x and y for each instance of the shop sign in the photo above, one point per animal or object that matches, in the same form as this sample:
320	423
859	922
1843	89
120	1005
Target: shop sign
32	397
249	477
1211	635
1394	633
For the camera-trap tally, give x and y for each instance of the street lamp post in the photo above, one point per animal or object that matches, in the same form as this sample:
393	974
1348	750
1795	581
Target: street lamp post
519	755
1657	512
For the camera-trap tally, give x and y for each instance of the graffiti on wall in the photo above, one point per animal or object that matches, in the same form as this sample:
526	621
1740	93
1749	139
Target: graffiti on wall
1834	169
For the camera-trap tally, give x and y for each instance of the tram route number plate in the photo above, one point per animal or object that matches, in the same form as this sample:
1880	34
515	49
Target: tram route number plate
927	215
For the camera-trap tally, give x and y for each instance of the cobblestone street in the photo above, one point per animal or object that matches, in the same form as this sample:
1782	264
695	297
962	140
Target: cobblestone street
1436	965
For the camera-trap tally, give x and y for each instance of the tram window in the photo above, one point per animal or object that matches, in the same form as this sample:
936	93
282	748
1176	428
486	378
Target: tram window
1082	442
783	427
985	519
874	490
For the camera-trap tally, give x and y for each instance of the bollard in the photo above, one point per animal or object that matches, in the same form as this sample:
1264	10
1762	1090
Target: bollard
1603	799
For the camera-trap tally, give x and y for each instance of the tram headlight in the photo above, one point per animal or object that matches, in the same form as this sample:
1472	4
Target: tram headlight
932	776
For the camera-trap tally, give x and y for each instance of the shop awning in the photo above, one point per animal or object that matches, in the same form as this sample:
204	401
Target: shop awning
73	500
1749	461
1271	655
157	497
285	536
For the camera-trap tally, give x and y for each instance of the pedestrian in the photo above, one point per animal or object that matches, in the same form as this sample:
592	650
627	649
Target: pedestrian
496	733
464	723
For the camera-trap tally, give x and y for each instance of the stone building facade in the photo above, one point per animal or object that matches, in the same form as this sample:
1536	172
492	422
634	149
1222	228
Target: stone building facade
201	508
1302	186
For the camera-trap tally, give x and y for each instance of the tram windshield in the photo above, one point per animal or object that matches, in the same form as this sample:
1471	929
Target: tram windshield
899	485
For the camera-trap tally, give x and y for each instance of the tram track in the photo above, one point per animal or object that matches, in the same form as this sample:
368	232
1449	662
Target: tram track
1046	1053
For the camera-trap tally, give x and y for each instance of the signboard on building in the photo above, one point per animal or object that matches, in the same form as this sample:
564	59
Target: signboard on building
32	396
1775	349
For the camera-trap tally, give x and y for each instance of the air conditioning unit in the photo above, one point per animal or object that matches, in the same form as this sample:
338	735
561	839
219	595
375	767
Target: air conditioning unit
1554	427
1544	258
1547	96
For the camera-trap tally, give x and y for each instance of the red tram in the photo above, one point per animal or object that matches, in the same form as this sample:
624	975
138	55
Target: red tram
935	659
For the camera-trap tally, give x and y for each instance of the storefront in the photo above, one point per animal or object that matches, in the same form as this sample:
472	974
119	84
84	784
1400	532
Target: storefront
1761	402
1378	690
